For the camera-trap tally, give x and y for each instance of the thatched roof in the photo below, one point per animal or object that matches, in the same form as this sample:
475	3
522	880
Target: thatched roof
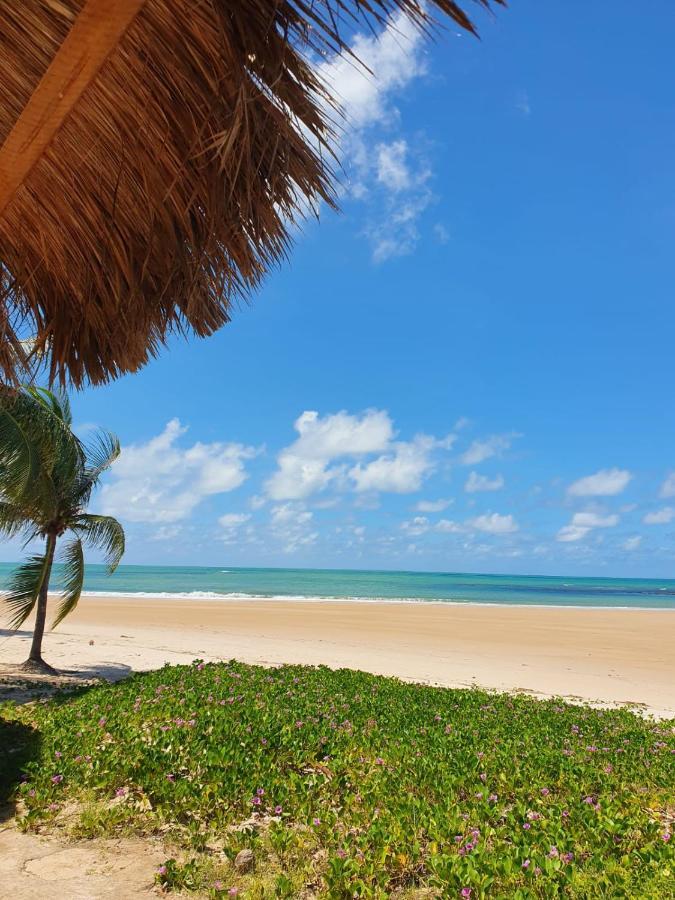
186	138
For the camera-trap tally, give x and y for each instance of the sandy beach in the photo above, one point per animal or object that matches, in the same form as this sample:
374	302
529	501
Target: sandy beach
602	656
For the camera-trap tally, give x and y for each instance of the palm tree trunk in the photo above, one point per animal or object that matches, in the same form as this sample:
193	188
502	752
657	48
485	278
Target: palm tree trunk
35	662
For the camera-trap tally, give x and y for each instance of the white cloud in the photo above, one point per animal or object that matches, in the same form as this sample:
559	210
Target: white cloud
605	483
397	232
523	104
494	523
166	533
479	451
304	465
430	506
594	520
421	525
582	523
391	60
390	175
668	486
309	464
447	526
441	233
476	482
399	472
660	516
418	525
571	533
231	524
292	524
392	167
158	481
632	543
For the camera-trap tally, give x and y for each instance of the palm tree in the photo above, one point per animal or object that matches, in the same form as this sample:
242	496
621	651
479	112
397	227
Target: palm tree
47	476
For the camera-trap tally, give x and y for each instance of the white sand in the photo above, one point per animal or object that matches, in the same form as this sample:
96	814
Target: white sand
601	656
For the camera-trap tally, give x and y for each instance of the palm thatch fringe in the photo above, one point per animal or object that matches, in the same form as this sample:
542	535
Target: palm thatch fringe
173	184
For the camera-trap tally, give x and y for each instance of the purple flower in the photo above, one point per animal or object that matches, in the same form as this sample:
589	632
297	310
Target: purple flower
260	792
170	777
545	792
57	779
120	792
316	821
466	893
526	864
493	798
527	826
101	721
553	853
161	870
568	857
666	836
58	754
256	801
278	810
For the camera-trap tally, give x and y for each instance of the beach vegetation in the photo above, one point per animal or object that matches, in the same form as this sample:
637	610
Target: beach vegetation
47	477
341	784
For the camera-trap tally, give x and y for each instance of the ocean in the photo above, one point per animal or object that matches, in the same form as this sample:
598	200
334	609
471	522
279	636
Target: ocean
219	583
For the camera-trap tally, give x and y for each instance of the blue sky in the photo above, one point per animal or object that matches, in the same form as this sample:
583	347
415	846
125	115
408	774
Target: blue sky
471	367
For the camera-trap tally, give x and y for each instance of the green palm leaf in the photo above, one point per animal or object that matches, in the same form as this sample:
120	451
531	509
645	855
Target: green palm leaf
12	521
19	460
103	532
73	579
24	587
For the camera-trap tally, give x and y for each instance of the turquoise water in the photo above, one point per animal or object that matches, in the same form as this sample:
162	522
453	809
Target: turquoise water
220	583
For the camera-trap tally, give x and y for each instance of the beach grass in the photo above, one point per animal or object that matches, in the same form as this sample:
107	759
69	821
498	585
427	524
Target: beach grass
344	784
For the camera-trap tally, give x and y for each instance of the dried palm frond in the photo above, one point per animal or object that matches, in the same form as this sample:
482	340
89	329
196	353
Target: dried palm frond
172	186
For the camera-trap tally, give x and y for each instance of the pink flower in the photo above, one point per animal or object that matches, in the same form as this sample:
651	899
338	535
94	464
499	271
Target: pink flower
545	792
465	893
568	857
526	864
666	836
58	754
233	892
553	853
493	798
260	792
170	777
161	870
120	792
256	801
316	821
101	721
57	779
483	777
218	885
278	810
527	826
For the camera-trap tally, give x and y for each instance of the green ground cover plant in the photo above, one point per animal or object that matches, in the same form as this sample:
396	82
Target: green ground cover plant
345	784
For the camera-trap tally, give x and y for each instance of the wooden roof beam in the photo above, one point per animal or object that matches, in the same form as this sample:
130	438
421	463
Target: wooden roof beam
95	34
